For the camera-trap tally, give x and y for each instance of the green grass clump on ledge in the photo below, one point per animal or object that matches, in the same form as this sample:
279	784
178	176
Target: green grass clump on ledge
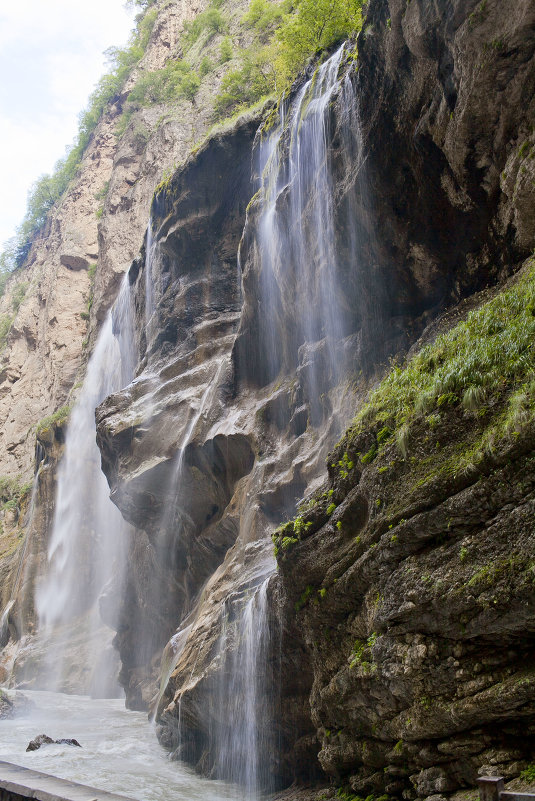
56	419
479	363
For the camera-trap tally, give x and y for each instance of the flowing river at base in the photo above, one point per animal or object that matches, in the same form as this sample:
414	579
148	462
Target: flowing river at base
119	751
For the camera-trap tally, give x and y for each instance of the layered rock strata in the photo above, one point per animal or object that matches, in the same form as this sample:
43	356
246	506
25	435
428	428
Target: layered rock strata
412	582
433	199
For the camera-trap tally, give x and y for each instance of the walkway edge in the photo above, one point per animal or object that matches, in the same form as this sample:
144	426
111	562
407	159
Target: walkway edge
24	783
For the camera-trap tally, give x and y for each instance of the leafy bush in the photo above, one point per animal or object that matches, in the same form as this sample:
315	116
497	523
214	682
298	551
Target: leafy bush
264	16
316	25
210	20
12	493
528	774
283	43
248	83
205	67
175	80
225	51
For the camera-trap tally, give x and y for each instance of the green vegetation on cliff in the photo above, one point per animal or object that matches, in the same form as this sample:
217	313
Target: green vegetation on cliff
12	492
285	36
57	419
450	410
485	365
282	36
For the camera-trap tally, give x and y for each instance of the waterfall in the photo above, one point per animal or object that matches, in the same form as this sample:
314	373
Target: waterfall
240	708
86	549
299	270
150	245
4	622
297	320
300	265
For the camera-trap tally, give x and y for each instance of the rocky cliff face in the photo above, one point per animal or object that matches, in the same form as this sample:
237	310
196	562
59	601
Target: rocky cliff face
411	578
54	307
429	149
286	260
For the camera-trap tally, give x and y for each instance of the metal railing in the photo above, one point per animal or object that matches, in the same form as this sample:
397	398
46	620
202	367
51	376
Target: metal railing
491	788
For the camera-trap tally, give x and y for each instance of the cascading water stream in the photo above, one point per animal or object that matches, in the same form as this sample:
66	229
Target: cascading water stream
244	698
87	544
150	246
297	238
297	250
4	621
174	516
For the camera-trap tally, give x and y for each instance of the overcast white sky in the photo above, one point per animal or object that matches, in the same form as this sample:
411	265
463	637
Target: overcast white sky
51	56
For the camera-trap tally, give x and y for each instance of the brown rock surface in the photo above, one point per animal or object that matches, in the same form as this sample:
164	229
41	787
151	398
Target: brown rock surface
50	337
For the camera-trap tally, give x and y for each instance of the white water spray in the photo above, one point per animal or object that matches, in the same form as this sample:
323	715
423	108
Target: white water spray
87	545
150	247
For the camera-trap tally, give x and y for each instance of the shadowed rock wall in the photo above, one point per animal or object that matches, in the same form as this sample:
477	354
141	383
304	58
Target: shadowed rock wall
415	598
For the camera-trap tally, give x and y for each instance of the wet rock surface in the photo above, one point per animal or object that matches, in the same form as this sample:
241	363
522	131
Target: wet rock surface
407	667
446	98
44	739
413	591
417	616
59	299
13	704
245	454
386	640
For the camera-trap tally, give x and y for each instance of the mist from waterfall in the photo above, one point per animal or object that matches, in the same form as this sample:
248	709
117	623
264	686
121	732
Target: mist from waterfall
298	261
86	552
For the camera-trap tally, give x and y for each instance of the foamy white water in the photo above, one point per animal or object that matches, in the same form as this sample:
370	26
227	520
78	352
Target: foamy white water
119	750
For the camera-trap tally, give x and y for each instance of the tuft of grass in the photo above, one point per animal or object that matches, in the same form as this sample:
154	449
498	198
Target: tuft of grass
489	355
58	418
528	774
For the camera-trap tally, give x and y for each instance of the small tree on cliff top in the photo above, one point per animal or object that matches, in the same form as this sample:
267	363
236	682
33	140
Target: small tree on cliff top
314	26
